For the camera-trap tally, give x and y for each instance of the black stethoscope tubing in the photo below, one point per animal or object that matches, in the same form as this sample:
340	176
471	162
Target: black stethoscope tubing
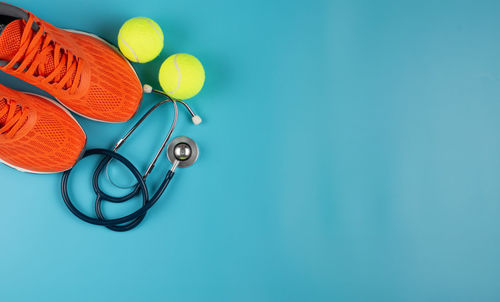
132	219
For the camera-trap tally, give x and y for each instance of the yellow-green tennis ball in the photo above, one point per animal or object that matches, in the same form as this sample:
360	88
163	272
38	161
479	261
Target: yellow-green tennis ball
182	76
140	39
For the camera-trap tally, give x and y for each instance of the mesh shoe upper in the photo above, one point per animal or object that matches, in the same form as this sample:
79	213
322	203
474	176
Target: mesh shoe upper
86	74
47	140
114	88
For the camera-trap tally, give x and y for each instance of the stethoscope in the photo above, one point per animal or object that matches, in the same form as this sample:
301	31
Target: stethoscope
181	152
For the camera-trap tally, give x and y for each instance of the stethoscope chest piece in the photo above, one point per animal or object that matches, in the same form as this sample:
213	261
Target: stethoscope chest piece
183	150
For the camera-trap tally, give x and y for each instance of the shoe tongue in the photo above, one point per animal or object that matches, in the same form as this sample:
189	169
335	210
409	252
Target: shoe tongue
10	39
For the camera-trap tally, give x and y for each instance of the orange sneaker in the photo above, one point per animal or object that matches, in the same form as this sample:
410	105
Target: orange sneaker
37	135
82	71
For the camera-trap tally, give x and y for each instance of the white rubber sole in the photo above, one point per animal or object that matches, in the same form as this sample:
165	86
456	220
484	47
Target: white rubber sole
118	52
67	112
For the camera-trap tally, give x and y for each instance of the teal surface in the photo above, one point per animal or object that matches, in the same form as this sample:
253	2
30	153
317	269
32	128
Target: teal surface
350	151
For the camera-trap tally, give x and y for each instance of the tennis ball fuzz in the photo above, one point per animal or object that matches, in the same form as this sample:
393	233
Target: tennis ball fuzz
140	39
182	76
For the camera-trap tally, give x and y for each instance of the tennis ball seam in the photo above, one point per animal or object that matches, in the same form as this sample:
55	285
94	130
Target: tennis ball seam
130	48
156	31
179	75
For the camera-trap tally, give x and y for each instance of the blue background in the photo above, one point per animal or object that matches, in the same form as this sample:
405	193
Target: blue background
350	151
